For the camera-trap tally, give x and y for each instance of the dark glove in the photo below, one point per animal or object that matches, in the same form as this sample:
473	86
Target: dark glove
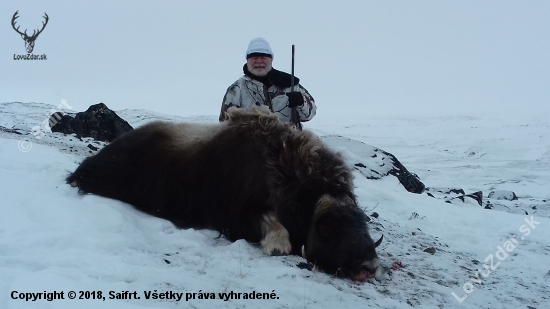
295	98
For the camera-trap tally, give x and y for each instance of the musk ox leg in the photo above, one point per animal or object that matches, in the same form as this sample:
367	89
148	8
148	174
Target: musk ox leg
275	239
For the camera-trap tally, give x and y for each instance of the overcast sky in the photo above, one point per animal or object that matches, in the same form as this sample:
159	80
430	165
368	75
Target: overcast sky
355	57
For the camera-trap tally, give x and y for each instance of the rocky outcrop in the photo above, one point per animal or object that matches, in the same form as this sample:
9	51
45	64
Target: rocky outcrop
455	195
503	195
98	122
374	163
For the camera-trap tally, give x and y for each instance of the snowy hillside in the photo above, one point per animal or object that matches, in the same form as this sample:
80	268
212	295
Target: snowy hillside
436	254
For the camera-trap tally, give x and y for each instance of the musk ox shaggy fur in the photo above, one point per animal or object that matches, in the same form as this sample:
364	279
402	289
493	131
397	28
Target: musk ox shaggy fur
251	177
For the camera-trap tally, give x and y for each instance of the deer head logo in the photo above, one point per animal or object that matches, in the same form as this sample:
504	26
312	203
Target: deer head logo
29	40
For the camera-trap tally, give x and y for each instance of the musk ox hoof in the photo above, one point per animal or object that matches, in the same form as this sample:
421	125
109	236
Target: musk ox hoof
74	184
277	253
276	242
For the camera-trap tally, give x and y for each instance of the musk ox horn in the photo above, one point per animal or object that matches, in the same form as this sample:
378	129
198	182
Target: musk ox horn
304	252
379	241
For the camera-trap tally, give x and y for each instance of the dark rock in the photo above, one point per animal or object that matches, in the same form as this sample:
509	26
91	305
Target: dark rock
4	129
92	147
375	215
410	181
98	122
477	196
430	250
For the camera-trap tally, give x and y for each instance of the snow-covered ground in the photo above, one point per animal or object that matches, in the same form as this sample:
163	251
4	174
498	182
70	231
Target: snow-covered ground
437	254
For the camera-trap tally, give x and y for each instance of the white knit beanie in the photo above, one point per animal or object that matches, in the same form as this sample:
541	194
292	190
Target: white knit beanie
259	46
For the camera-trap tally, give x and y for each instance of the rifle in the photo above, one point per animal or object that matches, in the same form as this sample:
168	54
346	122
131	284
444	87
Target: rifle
293	112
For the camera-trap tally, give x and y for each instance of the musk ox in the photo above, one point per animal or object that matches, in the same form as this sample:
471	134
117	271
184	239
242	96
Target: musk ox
251	177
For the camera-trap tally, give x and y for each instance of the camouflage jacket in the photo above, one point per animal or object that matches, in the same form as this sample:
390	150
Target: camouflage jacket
247	92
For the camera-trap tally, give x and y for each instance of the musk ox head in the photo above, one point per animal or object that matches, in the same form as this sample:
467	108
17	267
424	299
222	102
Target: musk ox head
339	241
318	181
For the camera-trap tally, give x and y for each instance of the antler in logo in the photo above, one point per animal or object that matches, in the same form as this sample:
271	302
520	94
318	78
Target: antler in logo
29	40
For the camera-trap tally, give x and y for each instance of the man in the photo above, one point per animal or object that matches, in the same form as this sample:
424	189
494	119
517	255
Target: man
263	85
